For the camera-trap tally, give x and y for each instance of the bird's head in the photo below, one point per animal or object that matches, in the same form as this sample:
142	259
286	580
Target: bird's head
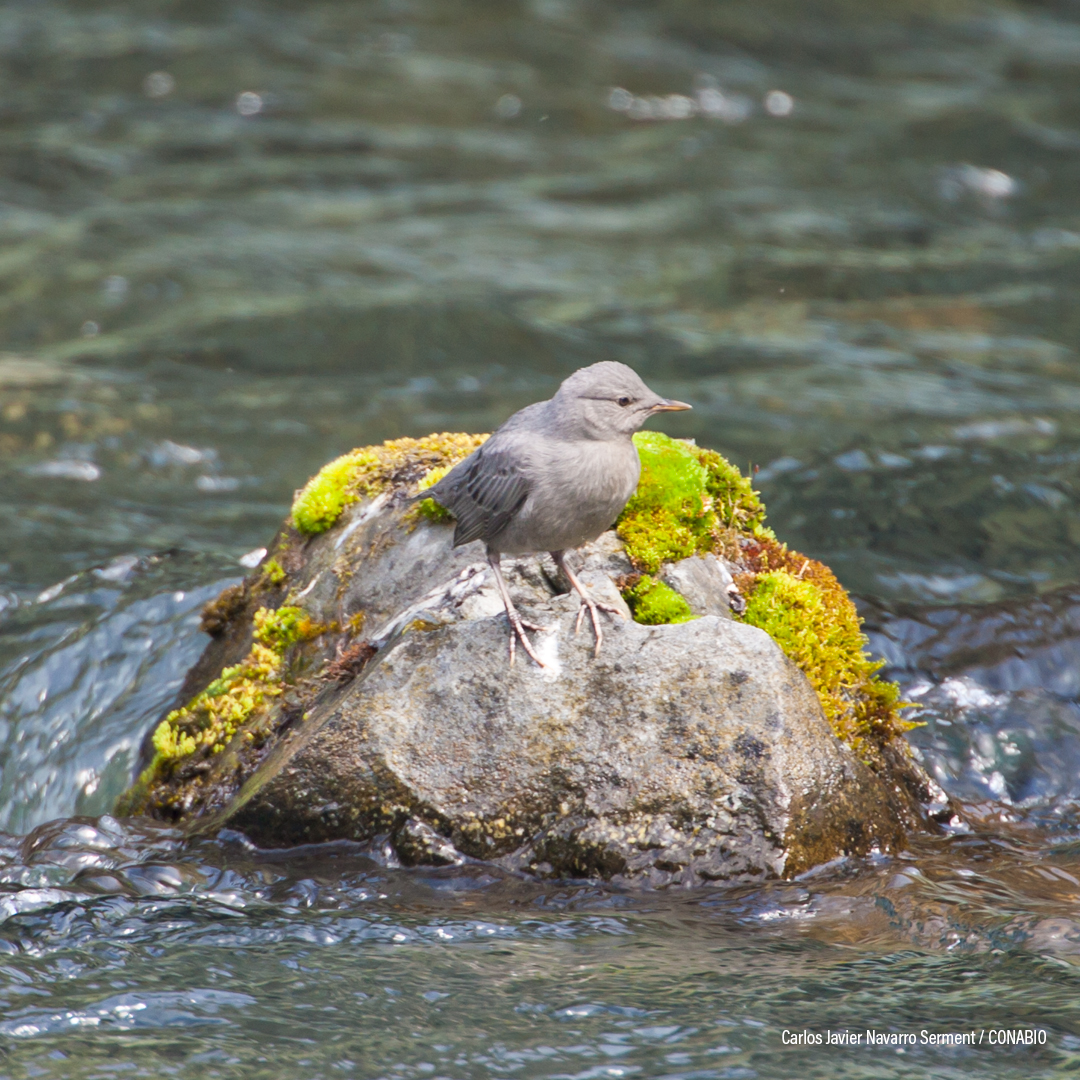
608	399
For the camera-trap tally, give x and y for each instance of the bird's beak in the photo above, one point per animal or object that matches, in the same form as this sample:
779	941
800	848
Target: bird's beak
667	405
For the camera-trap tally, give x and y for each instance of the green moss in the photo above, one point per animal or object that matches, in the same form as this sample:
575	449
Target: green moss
655	604
368	471
817	626
734	501
284	627
690	501
210	720
275	573
328	492
429	507
668	517
684	497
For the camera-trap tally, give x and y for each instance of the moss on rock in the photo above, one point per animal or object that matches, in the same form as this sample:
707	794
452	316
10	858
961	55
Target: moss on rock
685	496
820	630
802	605
689	501
692	501
429	507
275	573
653	603
284	627
669	517
735	503
209	721
370	470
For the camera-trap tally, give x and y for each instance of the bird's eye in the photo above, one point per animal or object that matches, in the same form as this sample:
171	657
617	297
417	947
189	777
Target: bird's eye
624	401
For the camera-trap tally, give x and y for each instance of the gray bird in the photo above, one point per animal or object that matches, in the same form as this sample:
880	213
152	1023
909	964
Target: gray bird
555	476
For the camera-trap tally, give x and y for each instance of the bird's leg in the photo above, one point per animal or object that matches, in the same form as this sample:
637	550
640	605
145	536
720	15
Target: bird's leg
517	623
586	601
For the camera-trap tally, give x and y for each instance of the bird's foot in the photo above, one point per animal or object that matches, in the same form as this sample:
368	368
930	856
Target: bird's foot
518	626
594	608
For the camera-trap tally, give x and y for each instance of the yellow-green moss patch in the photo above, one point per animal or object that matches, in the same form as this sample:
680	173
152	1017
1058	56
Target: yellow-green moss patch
734	502
366	472
653	603
328	492
685	495
691	501
210	720
801	604
429	507
284	627
820	630
274	572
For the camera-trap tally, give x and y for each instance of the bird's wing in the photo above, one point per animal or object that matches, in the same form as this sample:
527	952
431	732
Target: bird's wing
490	490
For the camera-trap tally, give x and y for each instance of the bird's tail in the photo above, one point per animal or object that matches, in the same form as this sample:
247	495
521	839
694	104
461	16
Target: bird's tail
424	493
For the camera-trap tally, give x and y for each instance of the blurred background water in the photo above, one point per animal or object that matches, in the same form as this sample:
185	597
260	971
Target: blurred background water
237	239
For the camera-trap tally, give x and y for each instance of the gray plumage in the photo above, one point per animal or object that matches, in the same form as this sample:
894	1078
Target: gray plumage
556	475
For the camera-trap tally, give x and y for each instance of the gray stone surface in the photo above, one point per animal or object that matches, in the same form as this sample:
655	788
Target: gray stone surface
683	754
704	581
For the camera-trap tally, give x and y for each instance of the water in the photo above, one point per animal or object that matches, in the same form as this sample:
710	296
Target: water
238	239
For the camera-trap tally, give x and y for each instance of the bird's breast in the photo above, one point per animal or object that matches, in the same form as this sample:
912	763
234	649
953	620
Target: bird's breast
605	474
577	491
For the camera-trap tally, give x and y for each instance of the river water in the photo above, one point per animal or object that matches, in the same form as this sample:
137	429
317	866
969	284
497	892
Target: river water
237	239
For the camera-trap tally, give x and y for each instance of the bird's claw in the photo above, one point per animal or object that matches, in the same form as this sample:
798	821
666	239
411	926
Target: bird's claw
594	608
610	609
518	627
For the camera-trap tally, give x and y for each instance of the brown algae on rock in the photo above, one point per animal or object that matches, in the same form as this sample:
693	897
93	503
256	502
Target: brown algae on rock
368	471
222	611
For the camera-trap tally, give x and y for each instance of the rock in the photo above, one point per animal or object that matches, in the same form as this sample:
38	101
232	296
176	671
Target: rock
683	753
704	582
381	708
